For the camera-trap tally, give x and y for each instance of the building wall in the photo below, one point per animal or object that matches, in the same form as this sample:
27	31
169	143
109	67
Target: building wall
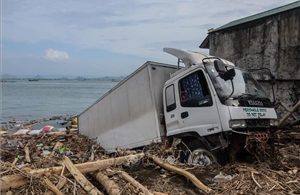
272	42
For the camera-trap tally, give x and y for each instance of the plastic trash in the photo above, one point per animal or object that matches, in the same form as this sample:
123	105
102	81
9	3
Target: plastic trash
62	150
222	178
21	132
35	132
46	153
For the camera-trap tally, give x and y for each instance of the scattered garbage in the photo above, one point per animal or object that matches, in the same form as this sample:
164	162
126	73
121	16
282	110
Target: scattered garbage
35	132
21	132
48	128
66	162
222	178
52	160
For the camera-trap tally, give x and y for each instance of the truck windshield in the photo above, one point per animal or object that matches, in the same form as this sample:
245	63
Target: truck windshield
244	84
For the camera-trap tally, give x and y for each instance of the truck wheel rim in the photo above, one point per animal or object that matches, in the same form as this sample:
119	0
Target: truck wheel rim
201	157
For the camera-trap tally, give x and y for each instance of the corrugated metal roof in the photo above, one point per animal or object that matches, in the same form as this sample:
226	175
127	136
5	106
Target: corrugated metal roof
261	15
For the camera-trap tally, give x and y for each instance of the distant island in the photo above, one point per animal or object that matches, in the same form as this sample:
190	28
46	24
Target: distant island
33	79
9	78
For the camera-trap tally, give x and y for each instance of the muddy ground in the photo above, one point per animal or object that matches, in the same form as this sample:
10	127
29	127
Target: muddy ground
262	174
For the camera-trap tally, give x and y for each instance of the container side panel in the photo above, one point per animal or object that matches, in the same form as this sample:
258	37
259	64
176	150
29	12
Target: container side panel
83	124
104	122
119	106
139	95
127	116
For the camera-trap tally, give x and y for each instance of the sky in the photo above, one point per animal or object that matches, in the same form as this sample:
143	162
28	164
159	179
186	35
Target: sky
99	38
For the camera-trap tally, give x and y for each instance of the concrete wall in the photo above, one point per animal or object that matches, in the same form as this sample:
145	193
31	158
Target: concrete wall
272	42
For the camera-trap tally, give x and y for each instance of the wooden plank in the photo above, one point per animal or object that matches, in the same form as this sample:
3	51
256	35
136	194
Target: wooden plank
62	181
287	115
52	187
85	184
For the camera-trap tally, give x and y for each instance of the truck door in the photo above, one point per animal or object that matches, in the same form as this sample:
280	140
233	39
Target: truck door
171	118
197	109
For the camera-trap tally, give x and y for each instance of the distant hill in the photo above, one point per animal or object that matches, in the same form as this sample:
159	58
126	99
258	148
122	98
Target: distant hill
38	77
8	76
116	79
80	78
64	78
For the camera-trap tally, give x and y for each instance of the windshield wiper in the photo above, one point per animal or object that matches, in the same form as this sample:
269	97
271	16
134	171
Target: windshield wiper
245	95
248	95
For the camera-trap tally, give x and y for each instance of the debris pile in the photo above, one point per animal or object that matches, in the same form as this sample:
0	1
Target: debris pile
70	163
73	164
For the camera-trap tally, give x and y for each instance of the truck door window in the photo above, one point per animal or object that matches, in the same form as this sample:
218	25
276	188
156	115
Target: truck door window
170	98
194	91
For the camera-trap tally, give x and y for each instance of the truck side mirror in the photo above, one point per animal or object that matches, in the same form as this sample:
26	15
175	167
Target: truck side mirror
228	75
219	66
272	79
223	72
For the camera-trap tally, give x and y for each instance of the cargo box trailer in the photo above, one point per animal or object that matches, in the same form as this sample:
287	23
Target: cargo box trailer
129	115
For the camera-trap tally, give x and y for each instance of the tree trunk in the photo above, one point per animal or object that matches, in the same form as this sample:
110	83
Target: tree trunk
110	186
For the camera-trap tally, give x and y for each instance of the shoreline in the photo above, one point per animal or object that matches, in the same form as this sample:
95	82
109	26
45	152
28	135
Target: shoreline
12	126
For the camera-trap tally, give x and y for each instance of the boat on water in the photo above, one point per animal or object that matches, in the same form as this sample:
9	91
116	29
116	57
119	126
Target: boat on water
33	79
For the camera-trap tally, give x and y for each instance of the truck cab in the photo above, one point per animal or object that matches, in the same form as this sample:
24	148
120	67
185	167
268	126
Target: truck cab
211	104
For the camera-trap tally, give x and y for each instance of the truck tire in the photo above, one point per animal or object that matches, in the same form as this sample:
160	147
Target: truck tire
199	154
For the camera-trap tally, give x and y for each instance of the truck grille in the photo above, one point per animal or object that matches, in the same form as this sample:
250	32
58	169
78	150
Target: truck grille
258	123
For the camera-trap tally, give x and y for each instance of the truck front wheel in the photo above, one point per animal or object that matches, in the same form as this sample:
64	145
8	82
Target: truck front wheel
199	155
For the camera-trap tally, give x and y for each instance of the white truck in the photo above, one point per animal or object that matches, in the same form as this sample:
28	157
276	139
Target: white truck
209	105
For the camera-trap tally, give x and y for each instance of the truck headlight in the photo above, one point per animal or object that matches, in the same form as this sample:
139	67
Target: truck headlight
273	122
235	124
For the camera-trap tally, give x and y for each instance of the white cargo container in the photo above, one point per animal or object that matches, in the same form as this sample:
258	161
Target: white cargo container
128	116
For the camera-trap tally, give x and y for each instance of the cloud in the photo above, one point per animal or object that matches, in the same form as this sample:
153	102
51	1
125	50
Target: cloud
139	29
55	55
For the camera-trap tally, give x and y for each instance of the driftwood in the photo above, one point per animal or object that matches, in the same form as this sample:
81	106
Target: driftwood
287	115
159	193
279	103
110	186
252	176
52	187
15	181
57	146
92	157
15	161
185	173
62	181
134	182
85	184
27	156
21	144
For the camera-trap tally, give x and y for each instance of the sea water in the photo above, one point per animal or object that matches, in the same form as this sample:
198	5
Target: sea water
30	100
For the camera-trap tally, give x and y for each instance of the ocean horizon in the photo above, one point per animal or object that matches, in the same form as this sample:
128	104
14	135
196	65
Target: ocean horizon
26	100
